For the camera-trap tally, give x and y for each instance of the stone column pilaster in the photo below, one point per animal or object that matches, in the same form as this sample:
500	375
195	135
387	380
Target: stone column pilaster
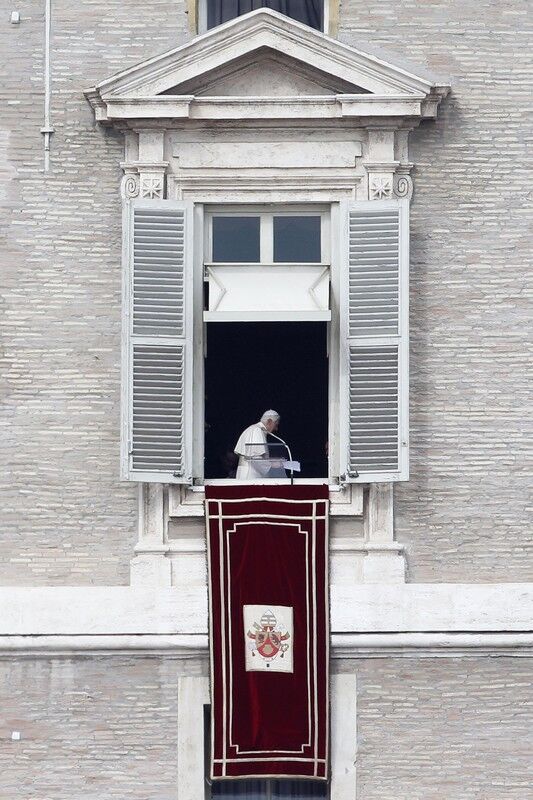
383	561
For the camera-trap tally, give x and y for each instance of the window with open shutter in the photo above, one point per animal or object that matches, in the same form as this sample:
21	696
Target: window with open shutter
374	342
157	357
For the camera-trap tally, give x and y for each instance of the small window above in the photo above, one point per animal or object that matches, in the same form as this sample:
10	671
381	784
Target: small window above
215	12
263	266
297	239
263	237
236	239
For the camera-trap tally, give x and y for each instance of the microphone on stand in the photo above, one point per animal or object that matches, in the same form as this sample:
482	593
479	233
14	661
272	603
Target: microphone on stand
288	451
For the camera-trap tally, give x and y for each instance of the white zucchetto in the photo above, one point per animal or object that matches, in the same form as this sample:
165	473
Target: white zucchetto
270	414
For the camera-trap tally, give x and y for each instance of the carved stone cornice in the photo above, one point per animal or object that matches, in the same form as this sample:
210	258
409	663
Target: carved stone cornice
172	86
366	108
211	185
343	645
404	619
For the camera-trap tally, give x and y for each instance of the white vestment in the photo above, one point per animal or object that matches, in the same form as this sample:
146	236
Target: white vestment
252	450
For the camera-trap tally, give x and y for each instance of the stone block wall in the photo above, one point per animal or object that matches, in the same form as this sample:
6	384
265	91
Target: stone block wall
65	518
427	728
465	512
90	728
435	728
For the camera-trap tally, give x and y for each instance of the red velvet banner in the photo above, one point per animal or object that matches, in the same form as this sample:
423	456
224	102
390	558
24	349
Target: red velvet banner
269	630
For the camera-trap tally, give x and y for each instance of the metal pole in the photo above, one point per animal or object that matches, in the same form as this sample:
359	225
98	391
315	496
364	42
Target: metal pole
47	129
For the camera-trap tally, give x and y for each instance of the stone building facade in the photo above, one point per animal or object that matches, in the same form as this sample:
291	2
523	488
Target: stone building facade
430	660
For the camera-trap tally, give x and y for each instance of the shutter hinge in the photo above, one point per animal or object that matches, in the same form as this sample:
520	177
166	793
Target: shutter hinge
345	478
351	474
189	479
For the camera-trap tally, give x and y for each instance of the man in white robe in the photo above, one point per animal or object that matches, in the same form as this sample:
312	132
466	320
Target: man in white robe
252	448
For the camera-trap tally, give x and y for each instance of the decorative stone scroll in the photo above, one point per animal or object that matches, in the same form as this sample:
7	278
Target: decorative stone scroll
143	180
403	183
129	185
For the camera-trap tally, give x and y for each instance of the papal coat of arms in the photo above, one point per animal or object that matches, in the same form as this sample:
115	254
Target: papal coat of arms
268	635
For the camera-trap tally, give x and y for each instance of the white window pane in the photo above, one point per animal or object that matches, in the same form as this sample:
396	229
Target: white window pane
236	239
297	239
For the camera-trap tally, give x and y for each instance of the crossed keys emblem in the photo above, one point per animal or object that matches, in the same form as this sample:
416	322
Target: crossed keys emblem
270	641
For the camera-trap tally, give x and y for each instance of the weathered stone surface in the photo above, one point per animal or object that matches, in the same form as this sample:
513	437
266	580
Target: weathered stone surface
465	514
439	728
90	728
65	517
427	728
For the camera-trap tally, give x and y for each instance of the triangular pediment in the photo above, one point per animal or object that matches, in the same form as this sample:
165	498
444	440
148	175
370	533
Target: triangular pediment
265	73
262	55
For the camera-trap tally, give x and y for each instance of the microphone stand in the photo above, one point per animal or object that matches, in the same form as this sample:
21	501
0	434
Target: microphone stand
288	451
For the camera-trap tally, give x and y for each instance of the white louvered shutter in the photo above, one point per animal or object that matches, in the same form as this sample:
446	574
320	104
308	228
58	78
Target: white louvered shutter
374	320
157	379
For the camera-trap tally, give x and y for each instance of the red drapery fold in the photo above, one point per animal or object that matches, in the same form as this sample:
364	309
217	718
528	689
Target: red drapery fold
269	630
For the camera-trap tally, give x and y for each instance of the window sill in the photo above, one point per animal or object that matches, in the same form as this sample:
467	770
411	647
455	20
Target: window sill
345	501
267	316
270	482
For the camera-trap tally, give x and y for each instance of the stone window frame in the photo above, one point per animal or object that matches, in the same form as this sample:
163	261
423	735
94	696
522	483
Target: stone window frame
339	415
394	100
266	213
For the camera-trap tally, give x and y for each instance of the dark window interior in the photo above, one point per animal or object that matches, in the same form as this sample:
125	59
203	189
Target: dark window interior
253	366
310	12
258	789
